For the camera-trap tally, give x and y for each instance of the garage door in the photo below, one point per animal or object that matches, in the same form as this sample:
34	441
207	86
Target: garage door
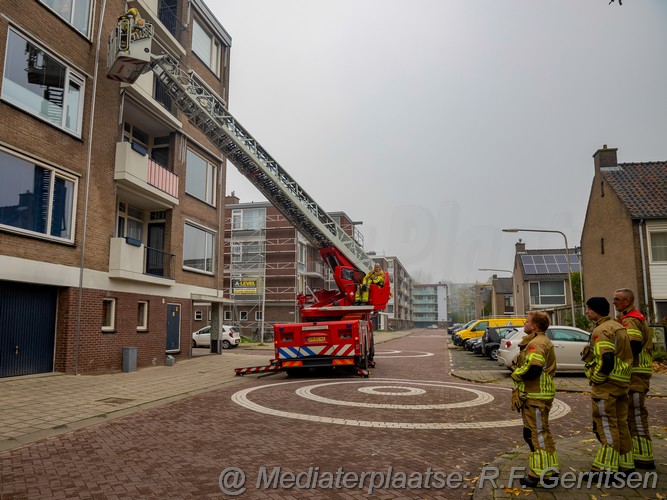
27	328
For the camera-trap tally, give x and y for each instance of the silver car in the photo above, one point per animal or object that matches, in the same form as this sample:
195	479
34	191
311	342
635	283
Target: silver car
568	343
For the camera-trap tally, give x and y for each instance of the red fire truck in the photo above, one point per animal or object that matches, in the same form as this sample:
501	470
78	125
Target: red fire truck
333	331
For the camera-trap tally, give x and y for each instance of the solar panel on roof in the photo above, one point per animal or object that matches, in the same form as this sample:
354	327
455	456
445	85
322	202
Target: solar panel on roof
549	263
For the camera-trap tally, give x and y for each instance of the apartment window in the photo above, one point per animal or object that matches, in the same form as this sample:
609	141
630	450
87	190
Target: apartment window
108	315
130	222
74	12
249	218
39	84
658	246
551	293
243	315
198	316
258	315
198	248
200	178
206	47
142	315
227	315
36	198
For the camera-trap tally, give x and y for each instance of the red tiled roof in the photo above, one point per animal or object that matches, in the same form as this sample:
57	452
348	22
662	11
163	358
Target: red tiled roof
642	187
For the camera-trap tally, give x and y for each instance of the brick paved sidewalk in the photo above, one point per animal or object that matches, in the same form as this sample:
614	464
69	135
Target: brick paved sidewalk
39	406
575	455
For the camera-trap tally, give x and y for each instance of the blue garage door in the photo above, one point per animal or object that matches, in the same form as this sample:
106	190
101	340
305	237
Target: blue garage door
27	328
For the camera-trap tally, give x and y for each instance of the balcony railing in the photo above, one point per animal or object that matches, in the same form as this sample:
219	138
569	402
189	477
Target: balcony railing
163	179
131	260
159	263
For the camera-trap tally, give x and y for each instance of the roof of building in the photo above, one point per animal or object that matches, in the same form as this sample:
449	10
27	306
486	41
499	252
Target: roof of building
642	187
504	285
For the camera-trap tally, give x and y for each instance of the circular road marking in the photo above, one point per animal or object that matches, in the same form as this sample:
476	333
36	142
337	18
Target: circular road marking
558	410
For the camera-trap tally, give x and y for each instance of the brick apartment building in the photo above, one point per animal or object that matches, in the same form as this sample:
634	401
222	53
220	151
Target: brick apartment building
111	210
624	238
268	263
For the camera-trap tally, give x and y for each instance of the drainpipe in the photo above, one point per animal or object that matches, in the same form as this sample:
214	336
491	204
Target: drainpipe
77	336
641	250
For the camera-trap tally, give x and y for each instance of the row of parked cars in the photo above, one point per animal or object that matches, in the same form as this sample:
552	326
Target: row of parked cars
501	344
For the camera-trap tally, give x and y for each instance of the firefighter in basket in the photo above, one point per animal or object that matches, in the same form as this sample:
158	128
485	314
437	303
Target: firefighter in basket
376	276
133	20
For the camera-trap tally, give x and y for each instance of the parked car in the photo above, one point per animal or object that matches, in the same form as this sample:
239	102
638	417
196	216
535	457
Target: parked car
432	327
568	344
476	346
230	337
478	327
492	338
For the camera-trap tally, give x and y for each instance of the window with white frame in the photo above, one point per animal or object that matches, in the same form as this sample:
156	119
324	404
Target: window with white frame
227	315
108	315
200	178
658	246
206	46
36	198
248	218
198	316
243	315
198	248
547	293
130	222
40	84
74	12
142	315
258	315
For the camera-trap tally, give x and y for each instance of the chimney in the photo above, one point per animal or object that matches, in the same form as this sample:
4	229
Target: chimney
605	157
520	246
232	199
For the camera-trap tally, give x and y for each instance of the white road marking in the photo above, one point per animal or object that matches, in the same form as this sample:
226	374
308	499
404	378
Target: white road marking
421	354
482	397
404	391
558	410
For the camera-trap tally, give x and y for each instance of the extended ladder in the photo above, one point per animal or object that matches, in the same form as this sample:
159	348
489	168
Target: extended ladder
208	113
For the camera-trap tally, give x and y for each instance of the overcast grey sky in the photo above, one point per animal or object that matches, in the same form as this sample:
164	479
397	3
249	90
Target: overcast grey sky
439	122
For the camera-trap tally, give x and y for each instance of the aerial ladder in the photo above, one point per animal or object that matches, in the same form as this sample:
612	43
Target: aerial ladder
334	331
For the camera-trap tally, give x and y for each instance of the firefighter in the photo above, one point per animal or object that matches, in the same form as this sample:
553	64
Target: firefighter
608	361
533	396
641	343
376	276
133	18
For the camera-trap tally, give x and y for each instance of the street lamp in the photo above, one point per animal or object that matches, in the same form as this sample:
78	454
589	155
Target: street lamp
497	270
567	259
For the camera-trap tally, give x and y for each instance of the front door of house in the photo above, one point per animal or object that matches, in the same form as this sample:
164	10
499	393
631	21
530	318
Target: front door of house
173	327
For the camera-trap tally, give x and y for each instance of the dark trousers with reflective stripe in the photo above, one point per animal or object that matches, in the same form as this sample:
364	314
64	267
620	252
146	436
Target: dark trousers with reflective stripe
611	428
642	448
536	433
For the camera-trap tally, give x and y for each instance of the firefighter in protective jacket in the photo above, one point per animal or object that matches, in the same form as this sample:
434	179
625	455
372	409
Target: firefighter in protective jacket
608	361
376	276
533	396
641	343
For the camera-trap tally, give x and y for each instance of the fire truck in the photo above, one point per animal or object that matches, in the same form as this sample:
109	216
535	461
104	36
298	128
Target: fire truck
334	330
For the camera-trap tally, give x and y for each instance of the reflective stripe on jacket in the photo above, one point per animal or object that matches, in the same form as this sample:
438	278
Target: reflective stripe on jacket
536	349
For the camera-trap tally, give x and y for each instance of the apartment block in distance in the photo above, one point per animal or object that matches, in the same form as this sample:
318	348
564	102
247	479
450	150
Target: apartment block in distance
429	304
112	202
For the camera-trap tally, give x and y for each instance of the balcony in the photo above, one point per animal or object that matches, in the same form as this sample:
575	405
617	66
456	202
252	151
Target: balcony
168	29
140	174
131	260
